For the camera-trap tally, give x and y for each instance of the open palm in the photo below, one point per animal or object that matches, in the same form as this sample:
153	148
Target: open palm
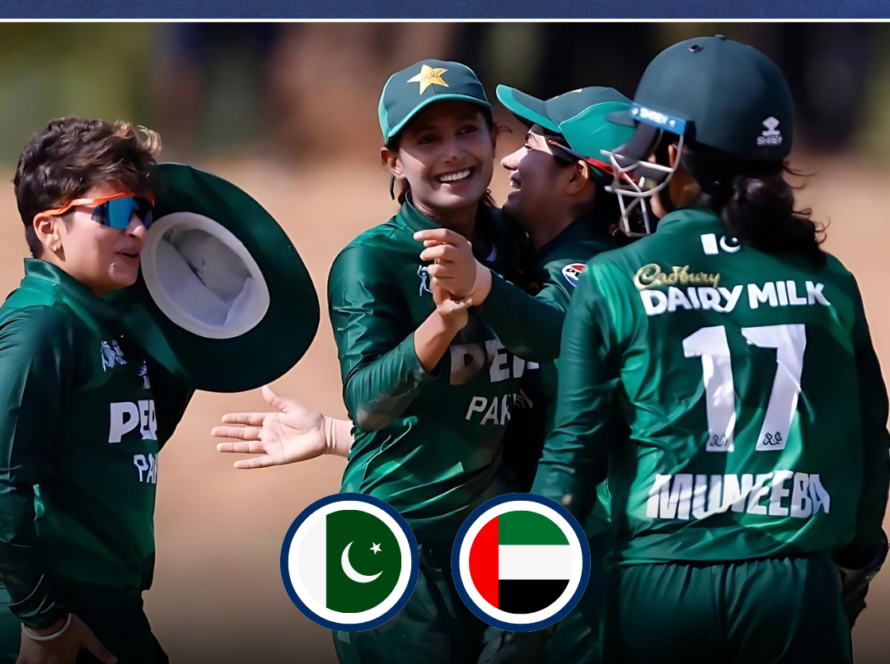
289	434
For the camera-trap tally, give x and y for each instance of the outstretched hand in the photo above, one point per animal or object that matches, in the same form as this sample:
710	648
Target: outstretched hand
289	434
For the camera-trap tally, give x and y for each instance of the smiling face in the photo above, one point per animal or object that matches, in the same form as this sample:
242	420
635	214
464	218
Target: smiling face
446	153
538	183
102	258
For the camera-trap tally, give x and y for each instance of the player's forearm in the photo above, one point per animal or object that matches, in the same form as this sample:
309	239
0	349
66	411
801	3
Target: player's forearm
171	400
575	454
35	599
529	327
378	392
432	339
875	439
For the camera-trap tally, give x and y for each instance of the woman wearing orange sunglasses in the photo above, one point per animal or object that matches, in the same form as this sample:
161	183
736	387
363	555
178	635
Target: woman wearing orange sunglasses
84	411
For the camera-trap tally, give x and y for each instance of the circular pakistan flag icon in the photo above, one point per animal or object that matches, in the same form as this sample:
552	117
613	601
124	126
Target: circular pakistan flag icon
349	562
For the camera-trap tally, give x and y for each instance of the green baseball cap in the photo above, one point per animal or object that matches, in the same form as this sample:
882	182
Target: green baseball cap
719	93
409	91
590	119
223	300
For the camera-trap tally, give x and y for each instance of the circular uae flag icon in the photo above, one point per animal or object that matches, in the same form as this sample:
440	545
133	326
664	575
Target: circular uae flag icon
349	562
520	562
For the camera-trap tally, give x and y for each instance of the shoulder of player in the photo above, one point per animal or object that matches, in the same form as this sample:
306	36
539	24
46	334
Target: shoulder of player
370	244
35	326
835	271
376	258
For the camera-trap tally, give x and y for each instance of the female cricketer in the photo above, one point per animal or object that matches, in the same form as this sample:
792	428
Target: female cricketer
85	411
429	414
558	198
738	354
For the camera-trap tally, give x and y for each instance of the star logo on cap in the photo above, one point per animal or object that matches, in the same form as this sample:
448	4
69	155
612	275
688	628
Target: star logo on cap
429	76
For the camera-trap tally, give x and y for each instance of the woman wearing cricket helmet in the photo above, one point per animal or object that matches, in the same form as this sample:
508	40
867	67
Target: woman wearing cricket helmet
739	355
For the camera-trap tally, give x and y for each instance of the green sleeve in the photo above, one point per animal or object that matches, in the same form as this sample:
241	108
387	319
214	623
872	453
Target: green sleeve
876	446
528	326
36	371
524	437
171	398
575	455
375	340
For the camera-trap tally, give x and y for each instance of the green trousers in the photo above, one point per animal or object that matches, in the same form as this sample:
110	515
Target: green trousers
768	611
575	639
436	627
121	626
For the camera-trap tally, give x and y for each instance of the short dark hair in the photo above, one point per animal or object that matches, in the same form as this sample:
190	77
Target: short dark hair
71	155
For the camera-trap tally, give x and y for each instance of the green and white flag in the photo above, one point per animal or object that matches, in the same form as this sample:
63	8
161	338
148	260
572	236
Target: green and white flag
349	562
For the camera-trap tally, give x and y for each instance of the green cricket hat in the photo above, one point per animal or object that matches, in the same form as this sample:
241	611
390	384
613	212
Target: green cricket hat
719	93
223	300
590	119
409	91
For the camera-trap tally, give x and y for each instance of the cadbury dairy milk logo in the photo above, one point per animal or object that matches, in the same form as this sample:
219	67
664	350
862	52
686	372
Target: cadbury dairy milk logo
653	276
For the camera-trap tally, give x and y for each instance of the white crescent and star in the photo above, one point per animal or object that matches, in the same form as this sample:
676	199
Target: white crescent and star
350	572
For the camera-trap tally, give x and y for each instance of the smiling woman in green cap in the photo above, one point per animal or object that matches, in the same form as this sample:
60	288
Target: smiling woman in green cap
429	414
739	356
558	198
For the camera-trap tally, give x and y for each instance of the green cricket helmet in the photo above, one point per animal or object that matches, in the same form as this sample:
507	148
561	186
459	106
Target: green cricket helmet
589	121
711	92
409	91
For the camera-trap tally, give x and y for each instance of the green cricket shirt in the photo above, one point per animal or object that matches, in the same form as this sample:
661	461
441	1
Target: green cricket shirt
429	444
530	324
84	416
755	402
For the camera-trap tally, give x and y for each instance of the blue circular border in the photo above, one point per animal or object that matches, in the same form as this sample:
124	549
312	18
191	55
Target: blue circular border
585	562
412	545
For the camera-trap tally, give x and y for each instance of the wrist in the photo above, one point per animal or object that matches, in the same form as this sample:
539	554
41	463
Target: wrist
48	633
448	324
482	285
337	437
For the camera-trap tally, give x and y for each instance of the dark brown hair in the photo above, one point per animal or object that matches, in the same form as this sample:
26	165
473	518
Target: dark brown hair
756	203
71	155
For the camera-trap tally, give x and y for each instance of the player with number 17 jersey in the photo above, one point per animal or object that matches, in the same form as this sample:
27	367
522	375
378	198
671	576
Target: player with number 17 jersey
744	376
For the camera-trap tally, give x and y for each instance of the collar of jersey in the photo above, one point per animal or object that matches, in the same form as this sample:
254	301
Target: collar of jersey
583	228
688	215
72	291
414	218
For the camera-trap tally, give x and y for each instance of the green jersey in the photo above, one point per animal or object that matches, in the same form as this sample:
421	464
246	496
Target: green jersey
530	325
429	444
85	415
529	322
755	402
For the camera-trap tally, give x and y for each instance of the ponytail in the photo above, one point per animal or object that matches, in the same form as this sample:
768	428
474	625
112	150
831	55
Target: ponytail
756	203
